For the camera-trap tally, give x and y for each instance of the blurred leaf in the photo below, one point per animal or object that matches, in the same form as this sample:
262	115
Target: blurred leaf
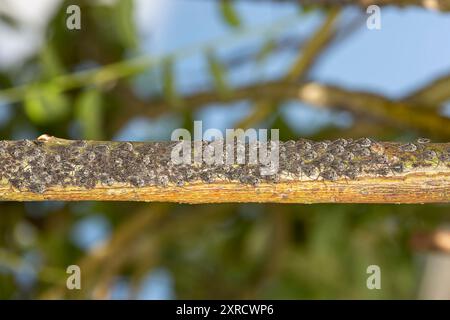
229	13
266	50
286	133
5	81
45	104
169	86
50	63
125	26
218	74
89	113
308	9
8	20
256	239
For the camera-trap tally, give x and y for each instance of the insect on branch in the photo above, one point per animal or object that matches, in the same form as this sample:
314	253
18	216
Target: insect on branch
342	171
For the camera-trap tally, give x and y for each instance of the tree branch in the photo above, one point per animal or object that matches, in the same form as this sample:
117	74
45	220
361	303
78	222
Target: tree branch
433	94
113	72
313	47
399	113
344	171
306	58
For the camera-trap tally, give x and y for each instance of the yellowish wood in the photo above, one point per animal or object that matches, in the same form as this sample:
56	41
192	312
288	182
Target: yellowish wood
419	187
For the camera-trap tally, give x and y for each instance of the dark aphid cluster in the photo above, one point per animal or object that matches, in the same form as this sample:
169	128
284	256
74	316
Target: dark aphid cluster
38	165
341	158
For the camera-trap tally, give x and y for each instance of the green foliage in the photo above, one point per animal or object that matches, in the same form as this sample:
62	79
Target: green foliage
125	26
308	9
279	122
89	114
267	48
229	14
169	85
8	20
218	74
46	105
50	63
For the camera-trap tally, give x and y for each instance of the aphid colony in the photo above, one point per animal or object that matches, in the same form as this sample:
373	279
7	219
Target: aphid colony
35	165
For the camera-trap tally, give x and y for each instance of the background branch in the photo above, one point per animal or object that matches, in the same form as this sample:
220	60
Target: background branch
433	94
399	113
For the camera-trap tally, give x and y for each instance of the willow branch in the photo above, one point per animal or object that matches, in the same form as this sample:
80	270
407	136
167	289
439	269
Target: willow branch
302	64
343	171
124	69
433	94
399	113
313	47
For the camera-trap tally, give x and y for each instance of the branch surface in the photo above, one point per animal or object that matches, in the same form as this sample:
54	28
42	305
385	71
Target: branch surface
342	171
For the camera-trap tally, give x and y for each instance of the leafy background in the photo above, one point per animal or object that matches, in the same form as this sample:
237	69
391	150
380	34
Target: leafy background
124	76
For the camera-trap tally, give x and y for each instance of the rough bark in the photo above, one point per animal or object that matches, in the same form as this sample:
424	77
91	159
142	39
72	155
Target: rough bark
341	171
